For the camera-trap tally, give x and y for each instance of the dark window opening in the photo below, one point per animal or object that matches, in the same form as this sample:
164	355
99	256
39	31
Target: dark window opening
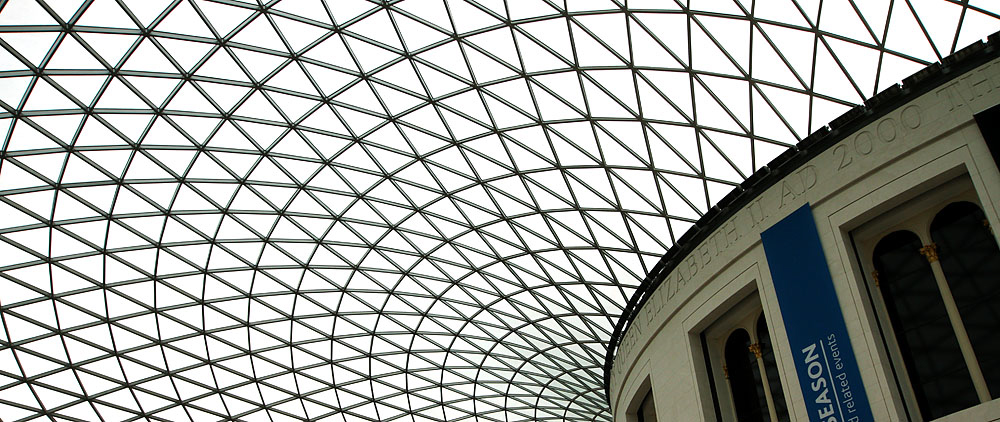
927	342
771	370
647	410
745	383
970	260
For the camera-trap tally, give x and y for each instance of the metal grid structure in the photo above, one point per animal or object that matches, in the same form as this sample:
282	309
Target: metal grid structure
416	210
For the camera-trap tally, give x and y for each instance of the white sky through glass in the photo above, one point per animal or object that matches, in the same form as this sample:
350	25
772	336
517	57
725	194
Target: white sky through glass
418	210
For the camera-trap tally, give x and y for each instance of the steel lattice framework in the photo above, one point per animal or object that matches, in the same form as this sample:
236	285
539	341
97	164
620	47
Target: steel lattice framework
416	210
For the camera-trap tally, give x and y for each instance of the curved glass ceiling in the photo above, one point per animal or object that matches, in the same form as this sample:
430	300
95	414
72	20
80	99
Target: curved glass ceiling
353	211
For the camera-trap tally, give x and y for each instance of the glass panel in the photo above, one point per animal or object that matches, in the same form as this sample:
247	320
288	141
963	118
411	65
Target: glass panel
937	371
771	370
744	379
437	209
971	262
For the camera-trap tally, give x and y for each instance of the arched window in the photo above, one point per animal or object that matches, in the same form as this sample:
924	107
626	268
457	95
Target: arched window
970	261
927	342
936	274
744	379
745	372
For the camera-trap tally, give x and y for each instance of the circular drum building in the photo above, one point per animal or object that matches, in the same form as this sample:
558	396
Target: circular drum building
851	279
429	210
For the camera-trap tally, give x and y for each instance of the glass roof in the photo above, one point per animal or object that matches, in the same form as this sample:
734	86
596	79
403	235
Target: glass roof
416	210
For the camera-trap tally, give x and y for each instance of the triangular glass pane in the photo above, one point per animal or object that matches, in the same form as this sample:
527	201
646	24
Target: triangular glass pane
107	14
183	19
33	46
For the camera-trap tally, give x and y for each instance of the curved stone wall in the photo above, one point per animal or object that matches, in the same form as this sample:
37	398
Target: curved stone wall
905	142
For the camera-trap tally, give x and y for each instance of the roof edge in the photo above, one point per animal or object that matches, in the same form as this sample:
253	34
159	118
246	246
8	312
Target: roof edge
912	87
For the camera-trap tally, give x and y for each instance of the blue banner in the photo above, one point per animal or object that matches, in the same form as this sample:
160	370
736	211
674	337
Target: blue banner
828	371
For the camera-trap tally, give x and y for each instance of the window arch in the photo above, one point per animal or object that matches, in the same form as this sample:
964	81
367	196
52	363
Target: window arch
745	384
970	261
934	263
930	349
741	352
